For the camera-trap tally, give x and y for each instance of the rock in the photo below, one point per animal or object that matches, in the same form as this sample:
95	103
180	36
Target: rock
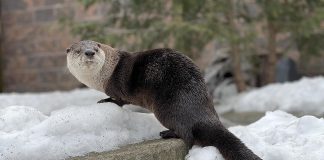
170	149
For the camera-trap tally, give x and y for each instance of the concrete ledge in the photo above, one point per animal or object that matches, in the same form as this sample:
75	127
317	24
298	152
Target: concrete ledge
171	149
242	118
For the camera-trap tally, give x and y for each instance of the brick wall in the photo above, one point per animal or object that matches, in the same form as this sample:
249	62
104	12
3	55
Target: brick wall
34	43
32	56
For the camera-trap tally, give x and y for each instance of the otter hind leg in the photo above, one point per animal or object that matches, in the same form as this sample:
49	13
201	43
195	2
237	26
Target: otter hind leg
168	134
186	136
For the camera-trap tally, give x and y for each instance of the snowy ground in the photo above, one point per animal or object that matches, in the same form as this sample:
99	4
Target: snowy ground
304	97
277	136
62	124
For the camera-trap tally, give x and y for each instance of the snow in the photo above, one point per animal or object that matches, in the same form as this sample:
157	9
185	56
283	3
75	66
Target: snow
63	124
305	96
57	125
278	135
48	101
204	153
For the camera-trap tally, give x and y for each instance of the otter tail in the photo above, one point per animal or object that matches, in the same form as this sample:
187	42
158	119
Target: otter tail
212	134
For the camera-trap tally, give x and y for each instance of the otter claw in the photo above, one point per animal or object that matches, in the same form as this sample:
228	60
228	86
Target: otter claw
105	100
118	102
168	134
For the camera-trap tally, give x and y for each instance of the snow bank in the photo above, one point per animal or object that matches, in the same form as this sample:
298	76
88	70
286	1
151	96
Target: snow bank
48	101
305	96
63	124
278	135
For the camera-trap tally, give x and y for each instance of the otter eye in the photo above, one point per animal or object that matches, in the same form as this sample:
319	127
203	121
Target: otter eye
78	51
96	49
68	50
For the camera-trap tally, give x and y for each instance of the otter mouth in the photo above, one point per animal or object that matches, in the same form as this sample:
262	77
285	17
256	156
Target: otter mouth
89	61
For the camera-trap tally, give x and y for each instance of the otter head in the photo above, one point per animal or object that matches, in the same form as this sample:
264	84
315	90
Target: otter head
91	63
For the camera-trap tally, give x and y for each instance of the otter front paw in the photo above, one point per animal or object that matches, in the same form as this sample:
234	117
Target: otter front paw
168	134
106	100
118	102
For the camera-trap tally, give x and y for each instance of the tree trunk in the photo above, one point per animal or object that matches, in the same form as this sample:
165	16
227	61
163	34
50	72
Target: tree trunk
236	68
272	54
235	52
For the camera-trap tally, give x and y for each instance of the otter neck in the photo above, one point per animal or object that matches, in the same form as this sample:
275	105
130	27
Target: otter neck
117	85
103	76
93	81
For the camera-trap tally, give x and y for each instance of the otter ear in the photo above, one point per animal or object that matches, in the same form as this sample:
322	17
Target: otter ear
68	50
99	45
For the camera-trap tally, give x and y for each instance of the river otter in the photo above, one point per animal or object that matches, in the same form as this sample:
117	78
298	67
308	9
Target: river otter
162	80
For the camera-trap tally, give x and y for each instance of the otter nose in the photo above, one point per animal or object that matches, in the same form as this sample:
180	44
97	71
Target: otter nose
89	53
